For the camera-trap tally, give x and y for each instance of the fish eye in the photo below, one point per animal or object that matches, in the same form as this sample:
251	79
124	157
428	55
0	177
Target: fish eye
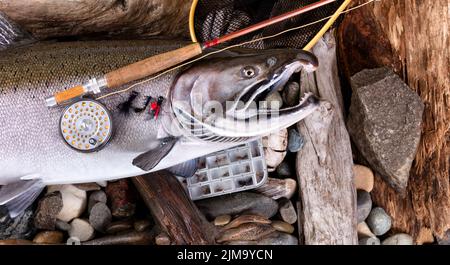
248	72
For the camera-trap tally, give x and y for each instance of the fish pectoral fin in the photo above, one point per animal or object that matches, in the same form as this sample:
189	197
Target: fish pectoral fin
12	35
150	159
18	196
186	169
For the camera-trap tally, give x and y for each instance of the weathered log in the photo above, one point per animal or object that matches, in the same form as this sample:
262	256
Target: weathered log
412	38
173	210
100	18
324	165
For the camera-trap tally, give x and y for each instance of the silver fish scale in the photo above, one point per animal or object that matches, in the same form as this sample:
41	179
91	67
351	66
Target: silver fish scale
29	136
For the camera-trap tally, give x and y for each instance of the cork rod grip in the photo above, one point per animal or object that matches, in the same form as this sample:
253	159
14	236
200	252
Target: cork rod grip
69	94
151	65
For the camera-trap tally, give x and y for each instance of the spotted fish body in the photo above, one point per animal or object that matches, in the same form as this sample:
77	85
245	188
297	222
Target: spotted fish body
30	142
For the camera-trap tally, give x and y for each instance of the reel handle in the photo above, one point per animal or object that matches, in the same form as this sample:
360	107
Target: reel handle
129	73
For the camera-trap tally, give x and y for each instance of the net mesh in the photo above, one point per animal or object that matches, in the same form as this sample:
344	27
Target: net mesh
215	18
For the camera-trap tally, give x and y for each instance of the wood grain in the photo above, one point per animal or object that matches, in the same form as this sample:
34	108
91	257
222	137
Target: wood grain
327	214
413	38
173	210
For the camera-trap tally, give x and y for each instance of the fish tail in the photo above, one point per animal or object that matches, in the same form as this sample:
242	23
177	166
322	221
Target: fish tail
19	195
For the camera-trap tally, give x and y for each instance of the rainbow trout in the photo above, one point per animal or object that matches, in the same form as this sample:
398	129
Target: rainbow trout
208	107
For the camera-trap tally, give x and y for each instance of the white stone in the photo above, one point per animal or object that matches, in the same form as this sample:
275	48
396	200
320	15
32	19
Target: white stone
74	201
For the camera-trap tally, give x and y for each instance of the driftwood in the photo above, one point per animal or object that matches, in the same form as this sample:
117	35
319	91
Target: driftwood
412	38
173	210
100	18
327	212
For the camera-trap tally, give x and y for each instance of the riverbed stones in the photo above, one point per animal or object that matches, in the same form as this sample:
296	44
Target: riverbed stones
291	94
385	123
119	226
222	220
284	170
49	237
398	239
246	232
369	241
141	225
287	211
295	141
81	229
364	230
47	211
236	203
363	177
122	198
20	227
100	216
95	197
364	205
275	145
74	201
245	219
282	226
278	188
379	221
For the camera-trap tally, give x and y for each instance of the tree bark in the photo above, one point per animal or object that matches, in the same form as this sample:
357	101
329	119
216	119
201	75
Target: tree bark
173	210
412	38
100	18
324	165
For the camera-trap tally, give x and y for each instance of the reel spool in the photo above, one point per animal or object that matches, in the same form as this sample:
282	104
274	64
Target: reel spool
86	125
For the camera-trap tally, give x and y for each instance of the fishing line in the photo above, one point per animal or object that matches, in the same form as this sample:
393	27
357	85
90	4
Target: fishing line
231	47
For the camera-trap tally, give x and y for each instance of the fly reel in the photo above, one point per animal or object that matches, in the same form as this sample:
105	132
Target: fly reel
86	125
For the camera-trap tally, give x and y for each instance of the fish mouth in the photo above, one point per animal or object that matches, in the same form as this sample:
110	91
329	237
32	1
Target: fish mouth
258	91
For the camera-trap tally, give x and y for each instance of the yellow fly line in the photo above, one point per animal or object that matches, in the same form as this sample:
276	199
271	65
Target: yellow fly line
308	46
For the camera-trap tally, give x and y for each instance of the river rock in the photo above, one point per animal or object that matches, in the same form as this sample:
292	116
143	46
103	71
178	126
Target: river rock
282	226
363	177
49	237
246	232
15	242
385	123
274	100
284	170
364	205
291	94
364	230
95	197
399	239
275	145
247	218
81	230
141	225
235	203
287	211
63	226
296	141
369	241
278	188
128	238
379	221
274	239
20	227
47	211
445	240
122	198
222	220
74	201
119	226
100	216
162	239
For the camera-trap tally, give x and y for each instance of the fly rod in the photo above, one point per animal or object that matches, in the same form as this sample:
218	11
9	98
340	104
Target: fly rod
160	62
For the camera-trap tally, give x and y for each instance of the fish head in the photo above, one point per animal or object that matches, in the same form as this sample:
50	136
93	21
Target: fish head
231	88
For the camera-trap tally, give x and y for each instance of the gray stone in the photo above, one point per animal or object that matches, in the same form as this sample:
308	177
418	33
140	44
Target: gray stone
61	225
296	141
284	170
242	202
364	205
95	197
81	230
385	123
445	240
369	241
287	211
274	100
20	227
278	188
47	211
100	216
291	93
119	226
398	239
379	221
278	238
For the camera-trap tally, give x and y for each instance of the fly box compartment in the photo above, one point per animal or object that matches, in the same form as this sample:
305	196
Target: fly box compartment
237	169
